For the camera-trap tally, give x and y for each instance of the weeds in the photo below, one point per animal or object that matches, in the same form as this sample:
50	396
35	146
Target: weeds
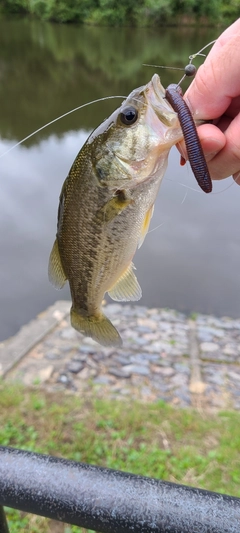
179	445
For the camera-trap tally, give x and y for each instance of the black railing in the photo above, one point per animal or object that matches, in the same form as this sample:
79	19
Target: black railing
109	501
3	521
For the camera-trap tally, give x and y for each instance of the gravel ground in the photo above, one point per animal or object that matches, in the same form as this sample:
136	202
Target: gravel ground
165	356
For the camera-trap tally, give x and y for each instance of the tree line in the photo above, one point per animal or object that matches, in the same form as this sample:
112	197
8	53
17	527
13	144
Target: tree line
127	12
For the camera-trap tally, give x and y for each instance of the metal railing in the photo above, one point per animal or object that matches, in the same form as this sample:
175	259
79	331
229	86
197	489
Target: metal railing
3	521
107	500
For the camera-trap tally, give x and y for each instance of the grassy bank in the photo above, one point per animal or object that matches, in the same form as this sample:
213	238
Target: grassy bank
127	12
193	448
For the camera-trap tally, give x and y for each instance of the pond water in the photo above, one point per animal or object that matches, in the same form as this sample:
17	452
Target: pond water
191	256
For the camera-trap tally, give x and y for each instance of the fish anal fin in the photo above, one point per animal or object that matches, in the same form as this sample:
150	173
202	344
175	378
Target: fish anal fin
145	225
56	272
127	287
99	328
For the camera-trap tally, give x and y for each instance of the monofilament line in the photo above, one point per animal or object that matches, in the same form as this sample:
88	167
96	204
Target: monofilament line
58	118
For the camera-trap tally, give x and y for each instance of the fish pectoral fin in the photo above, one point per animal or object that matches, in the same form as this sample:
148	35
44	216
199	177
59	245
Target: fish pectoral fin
114	206
99	328
56	274
127	287
145	225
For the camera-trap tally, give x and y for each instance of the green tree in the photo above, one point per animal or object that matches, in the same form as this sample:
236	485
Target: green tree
155	12
115	13
127	12
62	11
15	6
211	10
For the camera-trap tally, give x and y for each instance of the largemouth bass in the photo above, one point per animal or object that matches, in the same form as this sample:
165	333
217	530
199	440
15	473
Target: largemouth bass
106	205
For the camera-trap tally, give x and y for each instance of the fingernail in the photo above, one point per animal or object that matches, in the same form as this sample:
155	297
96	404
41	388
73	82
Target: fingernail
236	178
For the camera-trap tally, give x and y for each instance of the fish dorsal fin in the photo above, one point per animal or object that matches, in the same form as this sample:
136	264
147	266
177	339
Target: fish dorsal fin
145	225
127	287
56	273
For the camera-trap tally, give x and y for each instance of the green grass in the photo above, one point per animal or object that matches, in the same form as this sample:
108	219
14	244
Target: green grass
179	445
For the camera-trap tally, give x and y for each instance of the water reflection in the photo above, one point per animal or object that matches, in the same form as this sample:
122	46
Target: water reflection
46	70
28	208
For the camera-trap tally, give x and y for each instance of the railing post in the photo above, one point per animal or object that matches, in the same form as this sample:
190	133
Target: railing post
3	521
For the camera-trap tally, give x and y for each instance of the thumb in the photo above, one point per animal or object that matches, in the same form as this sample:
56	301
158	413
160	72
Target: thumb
217	81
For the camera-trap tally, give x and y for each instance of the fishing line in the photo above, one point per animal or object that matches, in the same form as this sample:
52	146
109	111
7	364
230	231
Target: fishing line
162	66
62	116
184	198
184	185
192	71
68	113
188	71
77	109
226	188
182	202
198	191
58	118
157	227
188	188
191	57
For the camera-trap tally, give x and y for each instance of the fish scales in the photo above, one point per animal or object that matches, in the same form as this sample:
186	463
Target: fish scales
106	206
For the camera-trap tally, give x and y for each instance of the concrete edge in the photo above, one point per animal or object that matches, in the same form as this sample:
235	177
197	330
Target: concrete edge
14	349
196	385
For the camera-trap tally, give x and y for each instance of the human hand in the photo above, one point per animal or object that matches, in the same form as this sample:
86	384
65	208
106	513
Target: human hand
215	94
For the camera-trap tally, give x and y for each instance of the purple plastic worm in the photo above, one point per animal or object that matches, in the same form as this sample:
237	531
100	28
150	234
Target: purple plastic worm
193	145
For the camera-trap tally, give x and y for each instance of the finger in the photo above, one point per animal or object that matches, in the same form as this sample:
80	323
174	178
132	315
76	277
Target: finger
230	32
234	107
236	178
212	140
227	161
217	81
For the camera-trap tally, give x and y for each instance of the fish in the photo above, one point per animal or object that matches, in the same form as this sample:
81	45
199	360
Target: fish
106	205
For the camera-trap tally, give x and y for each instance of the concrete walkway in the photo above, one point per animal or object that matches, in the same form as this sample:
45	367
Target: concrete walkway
165	356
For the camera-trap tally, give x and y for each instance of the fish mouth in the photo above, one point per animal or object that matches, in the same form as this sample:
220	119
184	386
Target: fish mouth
157	86
162	108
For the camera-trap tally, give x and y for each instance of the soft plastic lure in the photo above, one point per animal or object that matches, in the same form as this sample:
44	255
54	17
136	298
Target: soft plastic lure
194	149
195	153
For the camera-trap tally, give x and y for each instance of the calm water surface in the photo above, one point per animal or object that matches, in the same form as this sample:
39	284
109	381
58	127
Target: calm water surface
190	259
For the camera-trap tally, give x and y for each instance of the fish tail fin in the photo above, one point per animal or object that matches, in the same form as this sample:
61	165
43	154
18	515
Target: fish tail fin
99	328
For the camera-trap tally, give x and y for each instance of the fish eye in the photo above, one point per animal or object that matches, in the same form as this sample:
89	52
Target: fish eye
129	115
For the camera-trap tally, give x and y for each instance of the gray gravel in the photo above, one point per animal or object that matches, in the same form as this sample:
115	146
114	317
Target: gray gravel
165	356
